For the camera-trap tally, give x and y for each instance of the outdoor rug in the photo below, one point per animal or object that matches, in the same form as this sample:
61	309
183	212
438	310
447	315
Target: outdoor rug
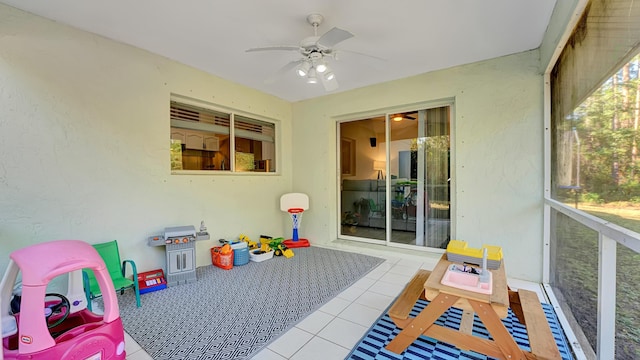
372	344
232	314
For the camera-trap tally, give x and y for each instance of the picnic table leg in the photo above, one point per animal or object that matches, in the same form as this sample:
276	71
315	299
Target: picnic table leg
422	322
496	328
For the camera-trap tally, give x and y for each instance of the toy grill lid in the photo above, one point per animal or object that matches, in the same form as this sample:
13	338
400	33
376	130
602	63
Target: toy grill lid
179	231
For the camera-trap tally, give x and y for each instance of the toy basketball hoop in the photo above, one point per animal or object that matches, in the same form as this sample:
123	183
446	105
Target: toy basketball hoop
295	204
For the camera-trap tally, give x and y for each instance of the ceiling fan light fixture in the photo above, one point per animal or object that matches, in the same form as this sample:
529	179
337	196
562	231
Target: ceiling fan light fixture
397	118
321	67
303	69
315	53
311	76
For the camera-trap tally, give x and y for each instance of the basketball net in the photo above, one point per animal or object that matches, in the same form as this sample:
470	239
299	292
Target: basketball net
296	218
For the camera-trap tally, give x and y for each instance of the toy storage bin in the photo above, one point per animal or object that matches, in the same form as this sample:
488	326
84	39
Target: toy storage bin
238	245
260	257
241	256
223	261
240	253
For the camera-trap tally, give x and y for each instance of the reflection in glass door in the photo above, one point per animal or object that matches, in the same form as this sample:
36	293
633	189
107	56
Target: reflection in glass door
419	155
362	179
395	187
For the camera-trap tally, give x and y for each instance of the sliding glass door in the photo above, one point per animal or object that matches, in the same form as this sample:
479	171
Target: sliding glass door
363	191
395	178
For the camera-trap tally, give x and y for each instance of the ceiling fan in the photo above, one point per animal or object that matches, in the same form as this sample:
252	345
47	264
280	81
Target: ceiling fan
315	50
405	116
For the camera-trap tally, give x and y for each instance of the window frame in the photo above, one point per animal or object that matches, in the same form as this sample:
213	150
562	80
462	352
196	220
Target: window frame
610	236
191	102
387	112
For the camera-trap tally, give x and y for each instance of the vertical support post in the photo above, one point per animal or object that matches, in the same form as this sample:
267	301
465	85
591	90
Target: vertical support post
421	213
606	297
294	236
546	226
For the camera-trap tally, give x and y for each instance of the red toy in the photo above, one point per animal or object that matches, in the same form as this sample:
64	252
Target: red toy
151	281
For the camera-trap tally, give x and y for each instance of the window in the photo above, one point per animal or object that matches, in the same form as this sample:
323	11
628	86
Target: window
595	168
202	138
254	144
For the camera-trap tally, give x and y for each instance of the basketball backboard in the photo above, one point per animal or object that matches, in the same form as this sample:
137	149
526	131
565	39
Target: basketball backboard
294	200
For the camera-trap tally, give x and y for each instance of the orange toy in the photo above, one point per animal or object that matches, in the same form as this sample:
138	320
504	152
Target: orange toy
222	256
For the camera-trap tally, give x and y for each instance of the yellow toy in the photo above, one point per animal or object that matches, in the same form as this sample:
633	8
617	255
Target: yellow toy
288	253
280	248
252	245
264	239
268	243
459	251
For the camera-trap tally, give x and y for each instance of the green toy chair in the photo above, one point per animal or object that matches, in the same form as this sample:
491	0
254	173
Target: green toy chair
373	208
111	256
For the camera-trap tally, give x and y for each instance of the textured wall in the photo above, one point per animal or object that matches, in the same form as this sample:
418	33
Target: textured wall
497	155
84	152
84	146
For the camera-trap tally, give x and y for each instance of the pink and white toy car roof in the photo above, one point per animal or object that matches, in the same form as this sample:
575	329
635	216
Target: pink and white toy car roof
39	264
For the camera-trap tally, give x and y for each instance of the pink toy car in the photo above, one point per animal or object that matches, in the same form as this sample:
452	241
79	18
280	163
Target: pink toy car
40	325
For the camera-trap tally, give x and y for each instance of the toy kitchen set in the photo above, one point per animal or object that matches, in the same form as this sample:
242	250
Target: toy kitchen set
180	248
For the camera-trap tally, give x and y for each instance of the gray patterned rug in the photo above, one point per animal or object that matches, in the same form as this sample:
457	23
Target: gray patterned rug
232	314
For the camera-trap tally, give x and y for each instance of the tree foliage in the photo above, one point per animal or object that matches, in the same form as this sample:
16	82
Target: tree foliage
607	125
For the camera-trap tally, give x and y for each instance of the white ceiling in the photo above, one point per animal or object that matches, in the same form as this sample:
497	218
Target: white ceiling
413	36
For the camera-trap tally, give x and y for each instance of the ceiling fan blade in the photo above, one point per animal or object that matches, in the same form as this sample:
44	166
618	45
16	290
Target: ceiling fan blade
279	47
333	37
338	52
329	85
288	67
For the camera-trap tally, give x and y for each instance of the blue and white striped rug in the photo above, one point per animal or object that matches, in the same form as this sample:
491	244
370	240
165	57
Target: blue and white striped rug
371	346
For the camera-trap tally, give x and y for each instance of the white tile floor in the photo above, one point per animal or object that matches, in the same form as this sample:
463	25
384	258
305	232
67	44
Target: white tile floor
334	329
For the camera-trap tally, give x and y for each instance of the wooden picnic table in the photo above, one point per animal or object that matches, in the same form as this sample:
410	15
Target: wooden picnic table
490	308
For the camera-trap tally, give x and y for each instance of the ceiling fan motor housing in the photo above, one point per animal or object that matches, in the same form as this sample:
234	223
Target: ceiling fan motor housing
315	19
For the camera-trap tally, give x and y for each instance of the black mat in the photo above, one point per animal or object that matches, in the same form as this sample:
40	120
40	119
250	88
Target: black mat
232	314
